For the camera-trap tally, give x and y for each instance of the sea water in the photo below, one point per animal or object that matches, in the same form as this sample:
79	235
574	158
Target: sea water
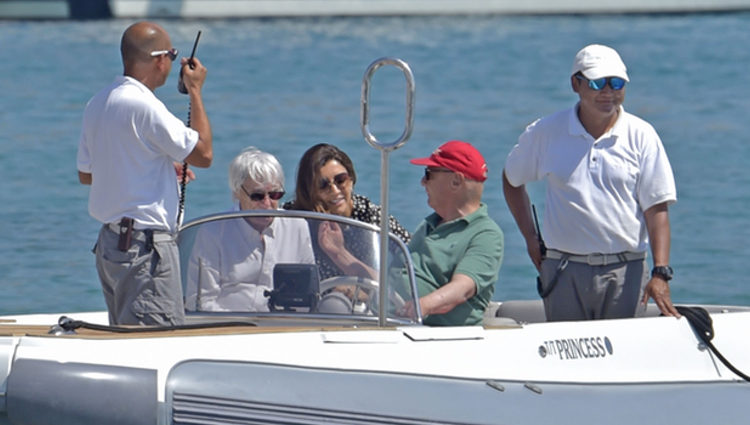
285	84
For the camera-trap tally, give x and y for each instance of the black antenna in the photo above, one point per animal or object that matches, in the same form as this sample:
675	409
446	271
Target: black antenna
180	84
542	247
182	89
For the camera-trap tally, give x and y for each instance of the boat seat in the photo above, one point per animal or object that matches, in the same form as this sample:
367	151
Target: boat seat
532	311
500	322
652	310
522	311
492	320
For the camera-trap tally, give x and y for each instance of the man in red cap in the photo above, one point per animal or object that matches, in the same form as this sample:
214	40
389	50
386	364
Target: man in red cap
458	249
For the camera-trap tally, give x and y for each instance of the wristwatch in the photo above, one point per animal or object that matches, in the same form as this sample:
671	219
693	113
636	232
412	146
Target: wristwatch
664	272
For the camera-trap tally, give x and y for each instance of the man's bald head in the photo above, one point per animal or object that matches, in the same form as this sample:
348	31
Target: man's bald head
140	39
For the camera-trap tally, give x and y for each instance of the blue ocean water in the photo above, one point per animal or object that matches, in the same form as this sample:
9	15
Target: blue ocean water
285	84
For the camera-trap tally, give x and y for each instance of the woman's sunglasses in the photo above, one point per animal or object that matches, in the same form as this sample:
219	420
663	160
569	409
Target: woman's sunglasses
339	180
274	195
616	83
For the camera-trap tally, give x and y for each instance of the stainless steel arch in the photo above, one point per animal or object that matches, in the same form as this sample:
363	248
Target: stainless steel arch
365	113
384	149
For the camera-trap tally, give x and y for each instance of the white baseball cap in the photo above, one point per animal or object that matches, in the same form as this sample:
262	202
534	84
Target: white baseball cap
596	61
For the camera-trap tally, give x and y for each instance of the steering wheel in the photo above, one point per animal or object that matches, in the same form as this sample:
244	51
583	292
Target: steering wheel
361	282
370	286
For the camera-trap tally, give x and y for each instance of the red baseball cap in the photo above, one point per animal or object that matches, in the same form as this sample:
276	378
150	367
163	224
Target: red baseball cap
459	157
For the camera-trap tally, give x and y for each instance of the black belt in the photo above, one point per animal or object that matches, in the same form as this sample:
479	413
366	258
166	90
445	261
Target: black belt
127	232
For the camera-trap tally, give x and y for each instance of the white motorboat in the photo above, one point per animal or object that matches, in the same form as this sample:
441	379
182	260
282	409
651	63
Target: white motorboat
315	355
314	359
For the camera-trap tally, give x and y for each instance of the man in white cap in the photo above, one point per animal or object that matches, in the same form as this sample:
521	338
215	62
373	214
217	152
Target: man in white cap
609	184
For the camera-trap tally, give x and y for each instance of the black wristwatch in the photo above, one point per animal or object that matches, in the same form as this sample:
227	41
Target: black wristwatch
664	272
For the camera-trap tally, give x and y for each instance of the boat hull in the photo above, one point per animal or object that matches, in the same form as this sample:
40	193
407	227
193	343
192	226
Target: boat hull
651	370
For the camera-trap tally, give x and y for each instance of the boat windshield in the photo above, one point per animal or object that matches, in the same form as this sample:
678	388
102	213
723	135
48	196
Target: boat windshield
292	263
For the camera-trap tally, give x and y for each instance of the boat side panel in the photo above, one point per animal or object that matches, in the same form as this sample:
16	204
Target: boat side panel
7	350
51	393
237	392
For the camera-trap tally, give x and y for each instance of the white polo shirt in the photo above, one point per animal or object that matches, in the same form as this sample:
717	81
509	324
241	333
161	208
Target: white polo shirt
129	142
597	190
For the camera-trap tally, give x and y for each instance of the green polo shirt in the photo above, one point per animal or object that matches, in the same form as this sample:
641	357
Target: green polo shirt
471	245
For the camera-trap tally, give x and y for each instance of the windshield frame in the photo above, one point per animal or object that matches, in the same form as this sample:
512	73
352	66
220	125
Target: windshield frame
311	319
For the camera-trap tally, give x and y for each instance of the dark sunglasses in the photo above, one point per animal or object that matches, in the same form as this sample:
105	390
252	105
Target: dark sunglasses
339	180
274	195
427	172
172	53
616	83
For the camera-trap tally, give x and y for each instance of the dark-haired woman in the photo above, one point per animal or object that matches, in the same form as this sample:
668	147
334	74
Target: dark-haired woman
325	183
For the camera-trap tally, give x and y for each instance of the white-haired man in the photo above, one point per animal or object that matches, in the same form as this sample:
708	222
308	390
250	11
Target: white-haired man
232	261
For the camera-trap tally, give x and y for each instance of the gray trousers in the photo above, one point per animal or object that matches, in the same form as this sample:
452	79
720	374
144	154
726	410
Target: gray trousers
142	285
585	292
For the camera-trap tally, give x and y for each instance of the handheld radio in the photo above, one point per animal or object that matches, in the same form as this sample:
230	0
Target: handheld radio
180	84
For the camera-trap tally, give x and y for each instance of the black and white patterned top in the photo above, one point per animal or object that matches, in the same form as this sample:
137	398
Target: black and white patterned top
368	212
355	240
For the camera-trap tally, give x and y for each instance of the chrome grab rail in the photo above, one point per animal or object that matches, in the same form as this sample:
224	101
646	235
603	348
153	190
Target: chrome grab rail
365	115
384	149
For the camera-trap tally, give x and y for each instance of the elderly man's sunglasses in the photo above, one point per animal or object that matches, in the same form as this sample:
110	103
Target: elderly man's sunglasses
274	195
429	171
339	180
616	83
172	53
